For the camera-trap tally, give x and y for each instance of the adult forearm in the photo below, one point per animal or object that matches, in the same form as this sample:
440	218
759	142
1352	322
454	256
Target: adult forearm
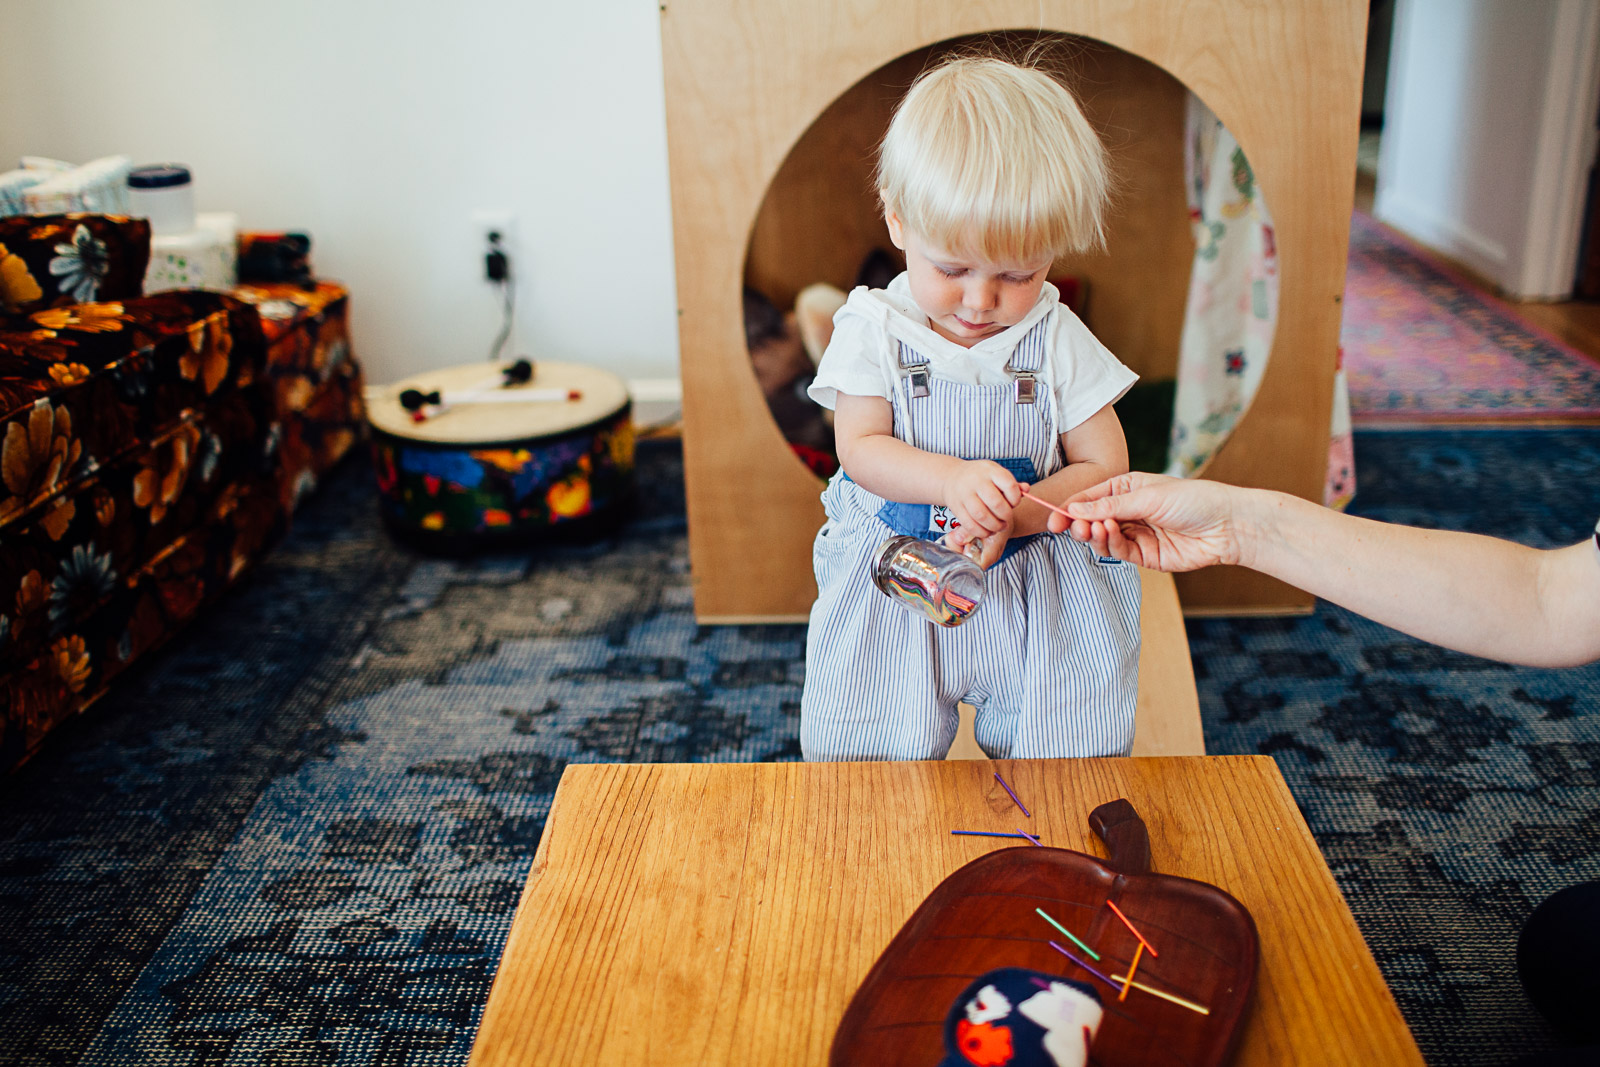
1471	593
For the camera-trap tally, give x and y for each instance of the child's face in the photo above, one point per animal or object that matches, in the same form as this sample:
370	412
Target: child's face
966	299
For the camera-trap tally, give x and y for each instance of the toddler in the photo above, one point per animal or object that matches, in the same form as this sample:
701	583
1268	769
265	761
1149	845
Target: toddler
962	383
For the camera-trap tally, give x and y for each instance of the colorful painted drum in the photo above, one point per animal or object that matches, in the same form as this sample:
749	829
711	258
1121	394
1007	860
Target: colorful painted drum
506	467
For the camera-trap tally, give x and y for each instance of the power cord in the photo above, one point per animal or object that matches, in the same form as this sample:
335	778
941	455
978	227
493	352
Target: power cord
497	268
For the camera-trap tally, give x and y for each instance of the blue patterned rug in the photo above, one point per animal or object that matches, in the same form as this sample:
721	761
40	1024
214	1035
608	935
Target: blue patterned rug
297	836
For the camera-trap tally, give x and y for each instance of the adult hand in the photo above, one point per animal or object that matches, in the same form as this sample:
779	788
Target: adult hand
1165	524
981	494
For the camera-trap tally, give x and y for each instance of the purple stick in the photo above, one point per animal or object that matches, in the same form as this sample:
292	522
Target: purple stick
1085	966
985	833
1030	837
1007	788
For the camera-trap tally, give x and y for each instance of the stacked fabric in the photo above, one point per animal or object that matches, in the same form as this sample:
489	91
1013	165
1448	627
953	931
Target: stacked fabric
316	385
48	186
150	451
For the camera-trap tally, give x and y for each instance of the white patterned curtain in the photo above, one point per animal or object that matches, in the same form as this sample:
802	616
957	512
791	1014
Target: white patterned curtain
1232	309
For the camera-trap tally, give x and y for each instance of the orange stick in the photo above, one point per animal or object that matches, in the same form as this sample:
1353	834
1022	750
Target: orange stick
1132	969
1112	905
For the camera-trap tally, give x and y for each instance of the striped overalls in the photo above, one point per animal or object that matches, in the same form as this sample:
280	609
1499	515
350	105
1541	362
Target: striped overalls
1051	658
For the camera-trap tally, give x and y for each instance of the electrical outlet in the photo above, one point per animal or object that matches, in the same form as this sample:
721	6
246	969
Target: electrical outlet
503	223
487	222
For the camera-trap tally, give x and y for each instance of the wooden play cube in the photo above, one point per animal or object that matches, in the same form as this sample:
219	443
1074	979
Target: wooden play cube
772	112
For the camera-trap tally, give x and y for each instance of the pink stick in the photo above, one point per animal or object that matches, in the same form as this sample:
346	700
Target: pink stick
1045	504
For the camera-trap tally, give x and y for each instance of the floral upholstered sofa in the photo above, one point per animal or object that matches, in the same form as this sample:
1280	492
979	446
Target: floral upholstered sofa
152	448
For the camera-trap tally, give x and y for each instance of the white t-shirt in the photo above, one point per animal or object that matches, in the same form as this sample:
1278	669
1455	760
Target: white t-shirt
863	357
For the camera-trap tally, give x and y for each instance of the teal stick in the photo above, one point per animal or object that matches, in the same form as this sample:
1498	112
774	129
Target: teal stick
1069	933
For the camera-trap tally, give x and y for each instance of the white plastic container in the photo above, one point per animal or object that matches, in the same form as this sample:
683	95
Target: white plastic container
205	257
163	194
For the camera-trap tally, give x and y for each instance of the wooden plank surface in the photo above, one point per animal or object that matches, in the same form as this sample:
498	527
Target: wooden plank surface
1167	722
725	913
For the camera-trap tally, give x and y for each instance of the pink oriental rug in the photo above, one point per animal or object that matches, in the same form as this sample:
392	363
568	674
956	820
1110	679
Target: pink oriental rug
1422	344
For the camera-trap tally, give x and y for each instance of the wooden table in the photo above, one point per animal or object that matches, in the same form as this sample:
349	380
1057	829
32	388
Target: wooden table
725	913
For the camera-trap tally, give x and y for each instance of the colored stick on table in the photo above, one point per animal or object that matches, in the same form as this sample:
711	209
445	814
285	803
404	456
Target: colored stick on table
1030	837
1072	936
1084	965
1132	970
1007	788
984	833
1154	992
1113	906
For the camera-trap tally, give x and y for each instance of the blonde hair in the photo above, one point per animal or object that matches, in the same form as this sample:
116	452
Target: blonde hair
991	158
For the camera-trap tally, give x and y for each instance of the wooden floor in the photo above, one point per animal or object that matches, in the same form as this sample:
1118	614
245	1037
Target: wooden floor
1576	322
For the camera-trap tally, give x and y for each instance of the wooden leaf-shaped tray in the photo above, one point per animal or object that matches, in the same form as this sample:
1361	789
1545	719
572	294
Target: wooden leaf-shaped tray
982	917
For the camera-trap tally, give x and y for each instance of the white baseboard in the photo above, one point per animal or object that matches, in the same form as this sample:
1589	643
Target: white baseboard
655	399
1449	236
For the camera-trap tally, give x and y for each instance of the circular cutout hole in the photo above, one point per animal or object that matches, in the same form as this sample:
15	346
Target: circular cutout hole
820	223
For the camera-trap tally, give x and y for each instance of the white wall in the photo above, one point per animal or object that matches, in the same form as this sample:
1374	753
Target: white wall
380	128
1487	121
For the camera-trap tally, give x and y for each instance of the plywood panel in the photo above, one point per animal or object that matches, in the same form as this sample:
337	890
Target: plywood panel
820	216
745	79
1138	287
1167	722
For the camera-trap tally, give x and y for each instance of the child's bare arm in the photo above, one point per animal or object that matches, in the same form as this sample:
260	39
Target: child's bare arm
982	494
1095	449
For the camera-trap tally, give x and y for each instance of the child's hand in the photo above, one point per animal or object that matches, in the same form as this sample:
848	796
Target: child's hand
990	546
982	494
